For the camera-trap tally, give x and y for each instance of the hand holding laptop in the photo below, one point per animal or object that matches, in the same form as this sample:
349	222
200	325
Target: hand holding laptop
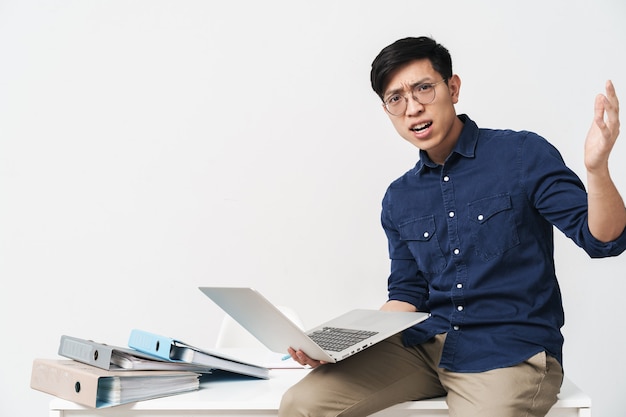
302	358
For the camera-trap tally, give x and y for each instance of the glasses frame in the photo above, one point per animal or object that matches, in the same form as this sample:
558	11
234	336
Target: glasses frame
385	103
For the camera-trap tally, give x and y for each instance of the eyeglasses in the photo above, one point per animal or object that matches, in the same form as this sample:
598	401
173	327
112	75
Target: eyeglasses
423	93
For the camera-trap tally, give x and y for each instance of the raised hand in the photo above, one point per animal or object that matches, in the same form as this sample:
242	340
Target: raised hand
603	131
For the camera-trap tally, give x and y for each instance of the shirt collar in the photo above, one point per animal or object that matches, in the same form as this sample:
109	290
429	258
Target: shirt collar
465	146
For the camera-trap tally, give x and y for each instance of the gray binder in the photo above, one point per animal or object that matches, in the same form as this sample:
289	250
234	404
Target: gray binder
115	358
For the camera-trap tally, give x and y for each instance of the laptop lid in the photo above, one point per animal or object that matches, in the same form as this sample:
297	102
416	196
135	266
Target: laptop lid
277	332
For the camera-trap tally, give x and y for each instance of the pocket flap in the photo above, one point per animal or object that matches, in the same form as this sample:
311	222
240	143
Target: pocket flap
481	210
422	229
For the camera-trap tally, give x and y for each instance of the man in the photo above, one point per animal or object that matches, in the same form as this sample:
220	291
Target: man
470	231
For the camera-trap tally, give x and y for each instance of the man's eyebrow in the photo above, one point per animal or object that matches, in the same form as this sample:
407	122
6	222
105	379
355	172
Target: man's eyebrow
401	89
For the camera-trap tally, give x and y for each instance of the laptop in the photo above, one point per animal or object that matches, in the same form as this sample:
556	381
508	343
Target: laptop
326	342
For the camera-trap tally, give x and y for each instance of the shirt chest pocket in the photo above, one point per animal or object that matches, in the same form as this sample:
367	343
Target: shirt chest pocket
421	239
492	225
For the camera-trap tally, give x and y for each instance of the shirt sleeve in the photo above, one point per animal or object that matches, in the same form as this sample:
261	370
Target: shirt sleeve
405	282
560	196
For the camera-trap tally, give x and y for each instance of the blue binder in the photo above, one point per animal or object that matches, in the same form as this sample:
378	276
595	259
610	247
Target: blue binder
173	350
152	344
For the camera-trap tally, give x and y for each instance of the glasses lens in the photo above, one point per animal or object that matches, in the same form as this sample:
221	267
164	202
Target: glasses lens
424	93
396	106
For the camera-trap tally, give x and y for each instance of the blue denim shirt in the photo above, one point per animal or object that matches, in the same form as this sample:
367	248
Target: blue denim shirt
472	243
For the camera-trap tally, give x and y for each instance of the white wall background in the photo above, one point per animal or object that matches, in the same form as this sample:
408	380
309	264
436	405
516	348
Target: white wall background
149	147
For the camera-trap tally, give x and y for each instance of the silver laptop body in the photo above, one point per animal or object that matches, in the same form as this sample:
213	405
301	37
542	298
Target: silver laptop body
277	332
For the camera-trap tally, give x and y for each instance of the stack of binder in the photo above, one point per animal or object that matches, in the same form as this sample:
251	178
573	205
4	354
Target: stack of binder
99	375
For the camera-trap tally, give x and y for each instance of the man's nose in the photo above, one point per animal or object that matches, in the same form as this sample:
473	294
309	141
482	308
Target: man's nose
413	106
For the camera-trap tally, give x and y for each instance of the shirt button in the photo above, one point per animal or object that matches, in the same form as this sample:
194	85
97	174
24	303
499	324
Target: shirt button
480	217
451	214
460	308
456	251
426	234
459	286
456	327
446	178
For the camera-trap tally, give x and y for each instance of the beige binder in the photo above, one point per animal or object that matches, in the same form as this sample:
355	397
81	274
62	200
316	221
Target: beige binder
94	387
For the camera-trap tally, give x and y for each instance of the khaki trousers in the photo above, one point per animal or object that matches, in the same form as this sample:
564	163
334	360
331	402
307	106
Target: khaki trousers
389	373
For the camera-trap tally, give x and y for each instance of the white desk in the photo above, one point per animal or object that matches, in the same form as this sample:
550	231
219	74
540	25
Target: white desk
249	397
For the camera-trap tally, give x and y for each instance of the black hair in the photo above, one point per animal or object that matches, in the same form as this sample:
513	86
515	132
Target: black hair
404	51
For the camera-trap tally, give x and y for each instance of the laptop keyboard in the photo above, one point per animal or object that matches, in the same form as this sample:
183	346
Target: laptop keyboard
337	339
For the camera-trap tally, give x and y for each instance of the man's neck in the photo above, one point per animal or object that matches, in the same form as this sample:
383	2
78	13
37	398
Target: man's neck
452	138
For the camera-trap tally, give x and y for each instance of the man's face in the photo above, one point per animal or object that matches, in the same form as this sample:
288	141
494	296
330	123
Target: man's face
431	127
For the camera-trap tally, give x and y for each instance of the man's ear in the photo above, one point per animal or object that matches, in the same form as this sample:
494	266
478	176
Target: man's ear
384	109
454	86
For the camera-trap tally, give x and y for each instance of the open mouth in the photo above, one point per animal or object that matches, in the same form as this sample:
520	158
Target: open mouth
421	127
